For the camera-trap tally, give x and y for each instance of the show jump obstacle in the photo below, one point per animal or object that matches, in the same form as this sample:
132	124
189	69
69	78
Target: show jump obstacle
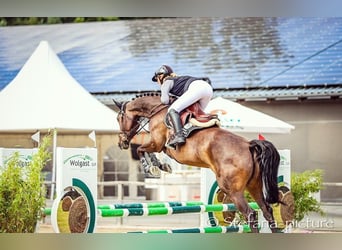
75	208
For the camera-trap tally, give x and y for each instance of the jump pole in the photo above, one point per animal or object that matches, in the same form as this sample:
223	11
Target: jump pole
204	230
124	212
139	206
151	205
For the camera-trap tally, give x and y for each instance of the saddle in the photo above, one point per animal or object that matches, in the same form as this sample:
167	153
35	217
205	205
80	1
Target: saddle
194	118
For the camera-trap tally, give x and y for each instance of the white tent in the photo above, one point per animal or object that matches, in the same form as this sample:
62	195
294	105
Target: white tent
45	96
238	118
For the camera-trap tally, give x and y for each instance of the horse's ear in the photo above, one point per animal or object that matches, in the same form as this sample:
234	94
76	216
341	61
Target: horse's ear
117	106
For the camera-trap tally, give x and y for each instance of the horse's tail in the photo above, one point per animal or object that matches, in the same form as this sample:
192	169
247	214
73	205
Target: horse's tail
267	156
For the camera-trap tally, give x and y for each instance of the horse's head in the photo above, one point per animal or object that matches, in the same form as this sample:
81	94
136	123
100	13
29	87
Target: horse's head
128	122
132	115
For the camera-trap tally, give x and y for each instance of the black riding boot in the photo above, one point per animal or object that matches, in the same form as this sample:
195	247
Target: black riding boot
177	138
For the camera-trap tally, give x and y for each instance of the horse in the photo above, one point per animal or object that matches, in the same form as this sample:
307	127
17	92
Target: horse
238	164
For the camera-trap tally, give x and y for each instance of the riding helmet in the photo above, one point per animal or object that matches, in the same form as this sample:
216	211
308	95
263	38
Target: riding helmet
164	69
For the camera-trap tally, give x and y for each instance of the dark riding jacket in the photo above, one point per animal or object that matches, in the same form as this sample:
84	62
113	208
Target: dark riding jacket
181	83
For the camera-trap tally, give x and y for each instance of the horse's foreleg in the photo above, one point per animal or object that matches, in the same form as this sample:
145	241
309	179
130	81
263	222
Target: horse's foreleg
162	166
144	163
149	168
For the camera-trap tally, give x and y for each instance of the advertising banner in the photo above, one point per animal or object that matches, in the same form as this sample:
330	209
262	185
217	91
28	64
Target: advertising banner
74	209
25	155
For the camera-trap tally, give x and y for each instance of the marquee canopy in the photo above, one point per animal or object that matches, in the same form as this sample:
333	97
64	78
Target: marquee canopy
44	95
239	118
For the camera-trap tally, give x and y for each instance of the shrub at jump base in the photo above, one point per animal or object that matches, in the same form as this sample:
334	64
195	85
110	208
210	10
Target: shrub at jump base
303	186
22	192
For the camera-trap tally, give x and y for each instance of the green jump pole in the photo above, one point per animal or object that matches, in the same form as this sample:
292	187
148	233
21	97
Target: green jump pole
151	205
169	210
120	210
205	230
47	211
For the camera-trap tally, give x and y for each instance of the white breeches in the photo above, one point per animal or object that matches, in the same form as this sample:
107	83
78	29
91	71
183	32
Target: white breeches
199	91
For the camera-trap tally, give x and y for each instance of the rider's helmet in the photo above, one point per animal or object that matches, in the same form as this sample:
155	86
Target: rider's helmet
164	69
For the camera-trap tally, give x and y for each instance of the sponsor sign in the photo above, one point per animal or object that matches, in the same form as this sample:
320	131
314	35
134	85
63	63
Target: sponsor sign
74	209
25	156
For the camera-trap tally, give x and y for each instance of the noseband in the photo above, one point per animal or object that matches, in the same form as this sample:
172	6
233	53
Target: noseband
128	135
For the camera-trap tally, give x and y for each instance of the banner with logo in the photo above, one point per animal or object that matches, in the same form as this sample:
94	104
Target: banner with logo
25	155
74	209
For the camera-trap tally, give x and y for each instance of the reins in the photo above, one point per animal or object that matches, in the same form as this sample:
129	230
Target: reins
156	109
142	122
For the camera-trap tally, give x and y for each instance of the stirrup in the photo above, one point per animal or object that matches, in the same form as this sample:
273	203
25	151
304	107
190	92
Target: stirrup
170	146
178	138
174	144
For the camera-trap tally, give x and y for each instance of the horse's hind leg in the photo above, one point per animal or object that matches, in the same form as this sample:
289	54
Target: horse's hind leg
233	184
228	216
267	211
242	205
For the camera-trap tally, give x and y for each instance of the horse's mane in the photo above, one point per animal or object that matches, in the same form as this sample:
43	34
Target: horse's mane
146	101
155	93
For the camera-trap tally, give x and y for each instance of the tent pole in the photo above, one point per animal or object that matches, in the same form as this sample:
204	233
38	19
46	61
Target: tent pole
54	164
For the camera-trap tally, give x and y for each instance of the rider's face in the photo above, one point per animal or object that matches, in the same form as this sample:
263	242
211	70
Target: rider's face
159	78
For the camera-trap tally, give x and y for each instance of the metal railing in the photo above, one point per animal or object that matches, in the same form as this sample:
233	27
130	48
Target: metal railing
121	184
101	184
332	184
332	203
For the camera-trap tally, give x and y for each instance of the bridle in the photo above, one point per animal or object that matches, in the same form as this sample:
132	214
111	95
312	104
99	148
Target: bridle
140	121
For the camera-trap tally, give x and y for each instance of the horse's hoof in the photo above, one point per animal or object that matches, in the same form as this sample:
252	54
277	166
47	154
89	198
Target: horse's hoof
166	168
154	171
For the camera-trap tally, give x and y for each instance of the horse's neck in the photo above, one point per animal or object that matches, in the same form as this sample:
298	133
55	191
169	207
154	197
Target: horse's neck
147	107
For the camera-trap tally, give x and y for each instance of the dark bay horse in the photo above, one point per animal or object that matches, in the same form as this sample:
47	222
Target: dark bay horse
238	164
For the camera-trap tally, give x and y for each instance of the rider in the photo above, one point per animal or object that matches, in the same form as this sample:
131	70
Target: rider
188	89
